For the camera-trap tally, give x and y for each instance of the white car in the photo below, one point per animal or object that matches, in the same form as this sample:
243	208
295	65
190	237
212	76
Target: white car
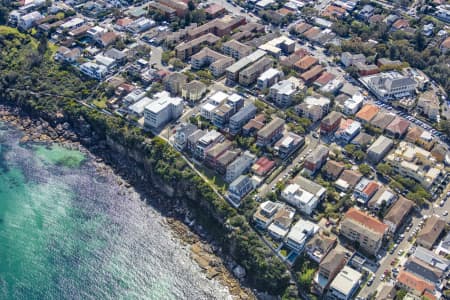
445	213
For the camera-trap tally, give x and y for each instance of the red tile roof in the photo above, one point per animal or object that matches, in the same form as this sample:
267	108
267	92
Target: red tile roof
366	220
398	125
414	282
263	165
368	112
371	188
325	78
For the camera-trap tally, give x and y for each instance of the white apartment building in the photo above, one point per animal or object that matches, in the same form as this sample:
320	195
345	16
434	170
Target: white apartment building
163	109
29	20
299	235
390	85
345	284
304	197
282	92
268	78
94	70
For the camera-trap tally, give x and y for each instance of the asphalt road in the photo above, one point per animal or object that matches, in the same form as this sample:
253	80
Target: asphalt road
385	262
311	143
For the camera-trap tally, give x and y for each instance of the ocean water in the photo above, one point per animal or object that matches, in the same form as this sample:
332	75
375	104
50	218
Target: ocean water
69	232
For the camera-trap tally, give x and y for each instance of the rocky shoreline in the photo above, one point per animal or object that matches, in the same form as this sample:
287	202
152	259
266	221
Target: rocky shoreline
215	268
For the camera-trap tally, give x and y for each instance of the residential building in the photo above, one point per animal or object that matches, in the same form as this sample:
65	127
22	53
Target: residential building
239	166
413	283
238	120
365	190
347	180
315	160
288	144
214	153
174	82
278	46
367	113
221	115
72	24
193	140
431	232
234	70
215	100
217	62
319	246
93	70
390	85
254	125
305	63
397	128
382	120
353	104
29	20
265	213
333	169
206	141
163	109
263	166
378	150
330	123
365	70
282	221
383	198
443	249
329	267
431	259
236	49
65	54
349	59
187	49
424	271
398	214
429	104
269	78
309	76
414	162
193	91
348	129
270	133
107	39
282	93
299	235
249	75
238	189
219	27
361	228
304	194
180	7
180	138
313	108
345	284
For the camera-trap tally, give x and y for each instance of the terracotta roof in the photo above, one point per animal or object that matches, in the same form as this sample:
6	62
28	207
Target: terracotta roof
306	62
414	282
313	72
371	188
124	21
333	10
108	37
325	78
284	11
400	23
302	27
312	32
366	220
263	165
368	112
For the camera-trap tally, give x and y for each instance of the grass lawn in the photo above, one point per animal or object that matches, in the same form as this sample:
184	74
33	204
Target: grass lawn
100	103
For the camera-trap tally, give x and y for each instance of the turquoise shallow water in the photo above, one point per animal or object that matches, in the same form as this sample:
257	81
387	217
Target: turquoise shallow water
67	232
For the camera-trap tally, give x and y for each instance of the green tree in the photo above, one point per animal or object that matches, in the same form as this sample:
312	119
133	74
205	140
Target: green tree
364	169
384	169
